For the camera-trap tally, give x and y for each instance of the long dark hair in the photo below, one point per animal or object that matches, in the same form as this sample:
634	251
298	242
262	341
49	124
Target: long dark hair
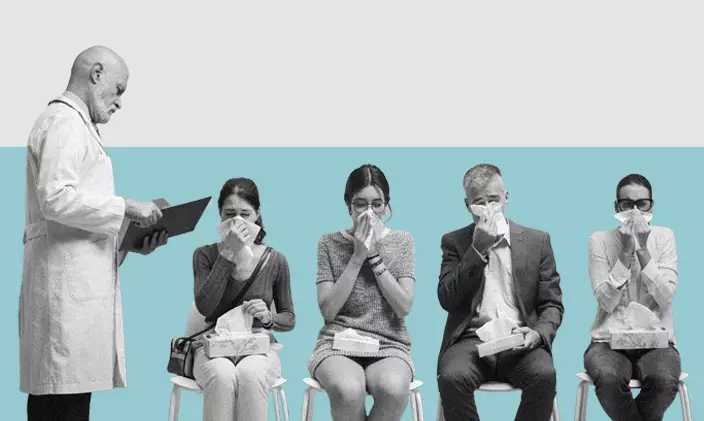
247	190
365	176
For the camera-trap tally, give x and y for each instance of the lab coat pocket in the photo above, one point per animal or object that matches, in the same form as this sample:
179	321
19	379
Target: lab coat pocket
89	270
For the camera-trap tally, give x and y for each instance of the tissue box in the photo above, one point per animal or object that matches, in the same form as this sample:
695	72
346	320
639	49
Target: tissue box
639	339
358	344
236	344
502	344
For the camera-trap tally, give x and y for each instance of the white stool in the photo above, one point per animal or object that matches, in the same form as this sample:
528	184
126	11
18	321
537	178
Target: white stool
314	387
580	413
500	387
188	384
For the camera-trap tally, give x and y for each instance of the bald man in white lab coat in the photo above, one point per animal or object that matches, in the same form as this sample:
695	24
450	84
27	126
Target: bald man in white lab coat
70	312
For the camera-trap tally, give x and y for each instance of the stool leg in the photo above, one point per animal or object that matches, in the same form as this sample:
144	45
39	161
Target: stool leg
555	411
277	415
684	397
579	402
175	403
311	404
582	395
414	405
419	406
284	404
306	404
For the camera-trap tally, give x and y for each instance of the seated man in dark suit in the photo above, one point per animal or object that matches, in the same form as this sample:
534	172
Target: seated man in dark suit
489	273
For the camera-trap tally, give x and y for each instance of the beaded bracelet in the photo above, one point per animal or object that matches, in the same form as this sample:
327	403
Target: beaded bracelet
381	272
377	263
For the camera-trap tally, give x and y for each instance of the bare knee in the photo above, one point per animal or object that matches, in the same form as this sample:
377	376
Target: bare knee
393	388
345	391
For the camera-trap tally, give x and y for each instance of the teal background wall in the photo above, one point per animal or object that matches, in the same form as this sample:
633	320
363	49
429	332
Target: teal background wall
567	192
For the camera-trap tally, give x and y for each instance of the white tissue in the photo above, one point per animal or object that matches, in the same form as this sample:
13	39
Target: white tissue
349	333
635	317
496	337
492	209
622	216
636	327
350	340
496	329
376	230
245	254
234	321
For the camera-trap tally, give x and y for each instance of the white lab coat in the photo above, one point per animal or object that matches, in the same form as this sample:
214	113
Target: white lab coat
70	312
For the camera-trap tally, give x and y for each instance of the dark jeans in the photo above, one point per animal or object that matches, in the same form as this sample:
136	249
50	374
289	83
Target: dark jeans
461	372
74	407
612	370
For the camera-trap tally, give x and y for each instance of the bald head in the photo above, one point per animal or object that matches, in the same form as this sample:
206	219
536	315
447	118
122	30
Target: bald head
99	77
97	56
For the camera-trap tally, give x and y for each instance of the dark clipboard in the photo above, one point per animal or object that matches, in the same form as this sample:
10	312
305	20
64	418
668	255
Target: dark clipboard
176	220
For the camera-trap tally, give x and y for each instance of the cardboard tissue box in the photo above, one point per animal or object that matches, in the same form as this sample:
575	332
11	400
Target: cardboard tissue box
236	344
496	336
639	339
636	327
233	337
350	340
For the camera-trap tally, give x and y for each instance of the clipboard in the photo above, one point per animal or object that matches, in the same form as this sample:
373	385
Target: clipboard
176	220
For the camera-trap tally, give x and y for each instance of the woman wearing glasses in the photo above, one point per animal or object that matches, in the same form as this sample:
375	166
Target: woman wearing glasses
368	289
635	263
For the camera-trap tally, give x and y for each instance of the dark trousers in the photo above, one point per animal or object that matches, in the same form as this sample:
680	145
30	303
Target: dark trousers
461	372
74	407
612	370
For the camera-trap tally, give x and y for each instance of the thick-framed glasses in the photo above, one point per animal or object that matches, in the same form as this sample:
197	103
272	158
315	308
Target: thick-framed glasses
360	206
643	205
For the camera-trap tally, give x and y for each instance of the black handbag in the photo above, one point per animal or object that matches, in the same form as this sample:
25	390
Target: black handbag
183	349
182	355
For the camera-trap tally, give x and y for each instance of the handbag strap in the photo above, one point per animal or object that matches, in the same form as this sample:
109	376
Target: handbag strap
244	289
253	276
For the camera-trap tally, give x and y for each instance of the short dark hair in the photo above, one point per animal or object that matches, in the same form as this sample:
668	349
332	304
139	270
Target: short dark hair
247	190
636	179
481	173
365	176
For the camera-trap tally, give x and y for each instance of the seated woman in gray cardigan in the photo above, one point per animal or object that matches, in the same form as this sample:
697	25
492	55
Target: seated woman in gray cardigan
368	289
237	388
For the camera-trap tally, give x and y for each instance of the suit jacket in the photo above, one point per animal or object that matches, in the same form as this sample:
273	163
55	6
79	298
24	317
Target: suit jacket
535	277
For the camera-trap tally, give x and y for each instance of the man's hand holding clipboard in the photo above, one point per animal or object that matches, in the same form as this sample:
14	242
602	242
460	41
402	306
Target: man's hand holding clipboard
145	215
174	220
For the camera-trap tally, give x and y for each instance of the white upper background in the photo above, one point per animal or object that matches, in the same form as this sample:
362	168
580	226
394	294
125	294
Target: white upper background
370	73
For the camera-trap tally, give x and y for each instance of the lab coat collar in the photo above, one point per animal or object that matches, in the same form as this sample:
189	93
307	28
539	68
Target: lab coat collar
73	101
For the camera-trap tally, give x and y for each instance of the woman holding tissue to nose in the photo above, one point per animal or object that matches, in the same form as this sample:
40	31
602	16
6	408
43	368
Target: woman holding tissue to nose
241	271
633	270
365	287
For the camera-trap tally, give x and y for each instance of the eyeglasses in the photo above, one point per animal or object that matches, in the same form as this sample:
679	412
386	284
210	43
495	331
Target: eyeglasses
361	206
643	205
